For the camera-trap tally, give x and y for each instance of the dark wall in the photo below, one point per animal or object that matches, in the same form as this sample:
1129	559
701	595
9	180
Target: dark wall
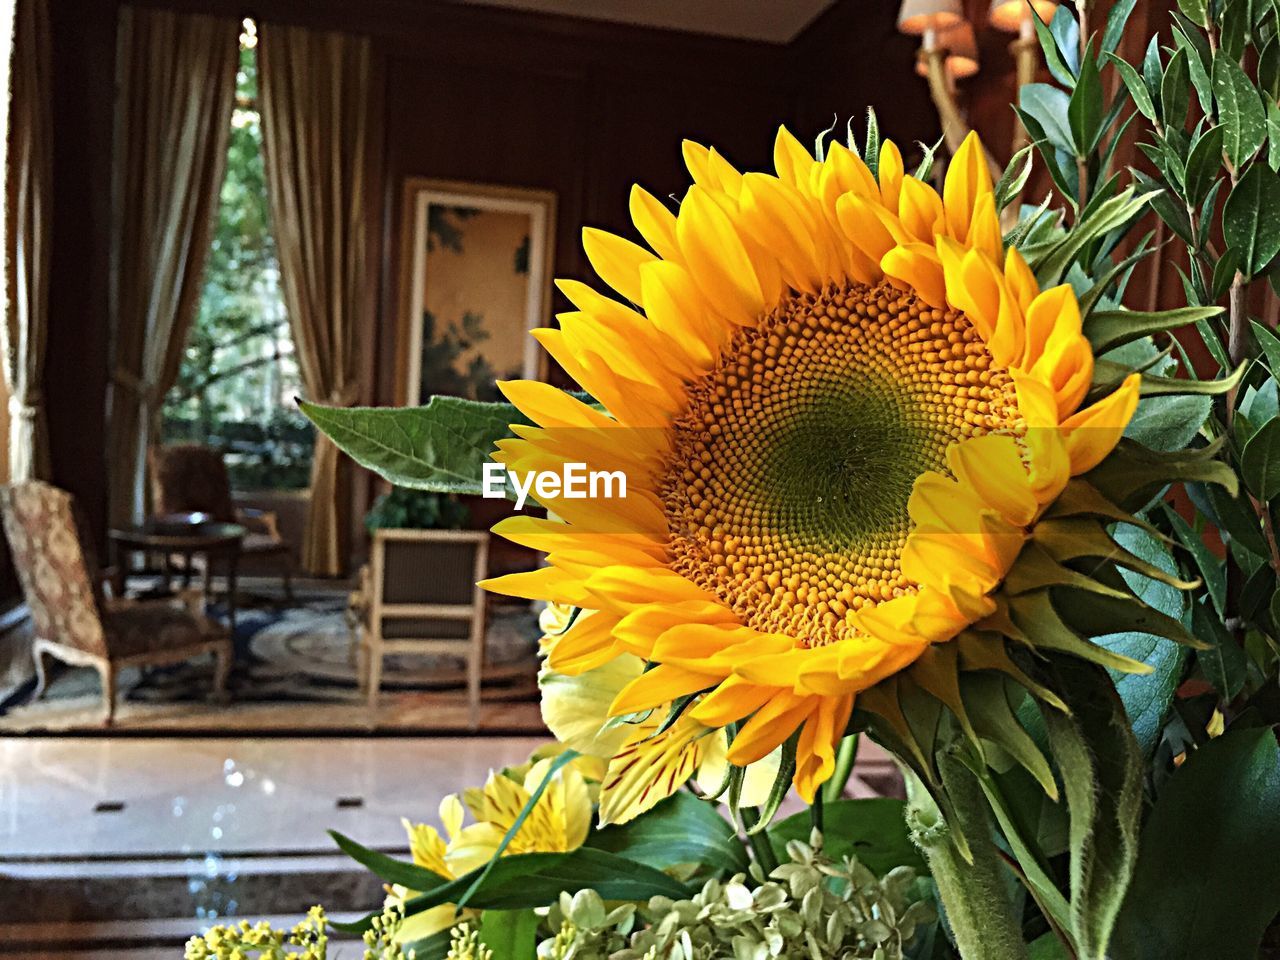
472	93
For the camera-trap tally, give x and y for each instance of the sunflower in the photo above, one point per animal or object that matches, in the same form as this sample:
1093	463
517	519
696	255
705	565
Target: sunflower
842	408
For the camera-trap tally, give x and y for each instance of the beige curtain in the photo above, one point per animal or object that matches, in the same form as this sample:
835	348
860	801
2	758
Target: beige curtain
175	90
314	92
28	208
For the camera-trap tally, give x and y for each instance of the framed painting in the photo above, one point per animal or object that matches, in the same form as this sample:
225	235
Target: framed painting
475	278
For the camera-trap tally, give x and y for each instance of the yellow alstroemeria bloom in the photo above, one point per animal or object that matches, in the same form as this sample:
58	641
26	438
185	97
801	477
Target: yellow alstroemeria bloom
557	823
841	407
646	763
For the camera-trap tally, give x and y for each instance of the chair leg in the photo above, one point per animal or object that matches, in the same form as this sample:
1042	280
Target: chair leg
473	687
42	676
221	670
108	673
286	574
374	672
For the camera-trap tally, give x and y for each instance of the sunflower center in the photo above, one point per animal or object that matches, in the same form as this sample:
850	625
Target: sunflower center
791	467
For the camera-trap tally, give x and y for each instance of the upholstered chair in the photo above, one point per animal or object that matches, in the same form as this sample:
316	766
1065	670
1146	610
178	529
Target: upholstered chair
188	478
75	620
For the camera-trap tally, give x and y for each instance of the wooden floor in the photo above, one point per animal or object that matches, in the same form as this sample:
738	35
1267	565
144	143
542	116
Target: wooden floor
399	713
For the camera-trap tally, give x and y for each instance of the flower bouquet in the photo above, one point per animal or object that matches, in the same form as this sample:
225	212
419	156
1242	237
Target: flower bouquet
898	464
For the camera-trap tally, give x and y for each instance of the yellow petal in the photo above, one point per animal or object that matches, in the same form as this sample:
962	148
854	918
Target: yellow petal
816	746
576	708
992	467
770	726
656	224
920	209
731	700
1094	432
792	161
718	259
649	768
891	172
617	261
968	179
918	266
660	685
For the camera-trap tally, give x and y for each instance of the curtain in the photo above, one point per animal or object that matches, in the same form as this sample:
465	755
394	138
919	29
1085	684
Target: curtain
315	99
175	90
28	209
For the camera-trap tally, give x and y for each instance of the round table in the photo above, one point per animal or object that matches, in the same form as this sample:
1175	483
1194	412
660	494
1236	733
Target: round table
169	536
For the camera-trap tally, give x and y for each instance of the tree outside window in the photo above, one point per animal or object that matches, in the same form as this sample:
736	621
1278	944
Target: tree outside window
239	375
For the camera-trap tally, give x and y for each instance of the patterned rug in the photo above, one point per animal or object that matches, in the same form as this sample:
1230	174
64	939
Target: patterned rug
307	652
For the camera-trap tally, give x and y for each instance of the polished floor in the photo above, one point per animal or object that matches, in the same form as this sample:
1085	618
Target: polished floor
122	797
125	846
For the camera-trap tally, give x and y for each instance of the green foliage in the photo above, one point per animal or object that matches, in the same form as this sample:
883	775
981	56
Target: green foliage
442	446
238	375
405	509
1208	880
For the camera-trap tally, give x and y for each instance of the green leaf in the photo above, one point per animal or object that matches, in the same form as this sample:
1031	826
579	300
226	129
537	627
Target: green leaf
1225	664
1273	130
1260	462
1175	91
1047	947
1211	568
442	446
526	880
871	153
1110	328
1204	165
1237	519
1106	217
1014	177
1199	60
1136	87
1240	109
388	868
510	933
1208	878
1270	344
1251	218
1269	69
1168	422
1196	11
1147	697
873	830
1084	110
1050	107
1053	58
1116	20
1102	774
682	829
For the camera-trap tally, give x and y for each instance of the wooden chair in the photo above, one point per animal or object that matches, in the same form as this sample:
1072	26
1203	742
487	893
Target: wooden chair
188	477
75	621
419	595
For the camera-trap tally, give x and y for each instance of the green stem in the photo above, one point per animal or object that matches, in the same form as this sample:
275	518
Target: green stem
977	895
846	754
759	841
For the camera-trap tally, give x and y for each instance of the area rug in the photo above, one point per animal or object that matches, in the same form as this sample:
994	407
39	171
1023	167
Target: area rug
302	654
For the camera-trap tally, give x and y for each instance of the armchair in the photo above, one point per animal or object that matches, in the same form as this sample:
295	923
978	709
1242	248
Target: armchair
189	477
75	621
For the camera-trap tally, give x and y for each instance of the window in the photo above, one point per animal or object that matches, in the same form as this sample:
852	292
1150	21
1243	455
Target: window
239	375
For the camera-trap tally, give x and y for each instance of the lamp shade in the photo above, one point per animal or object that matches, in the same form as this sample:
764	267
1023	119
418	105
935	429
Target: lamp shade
920	16
1010	14
961	46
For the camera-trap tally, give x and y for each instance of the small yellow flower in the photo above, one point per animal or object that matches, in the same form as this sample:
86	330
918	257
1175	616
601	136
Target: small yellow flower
557	823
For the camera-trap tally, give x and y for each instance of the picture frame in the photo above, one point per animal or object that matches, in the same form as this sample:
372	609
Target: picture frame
475	277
